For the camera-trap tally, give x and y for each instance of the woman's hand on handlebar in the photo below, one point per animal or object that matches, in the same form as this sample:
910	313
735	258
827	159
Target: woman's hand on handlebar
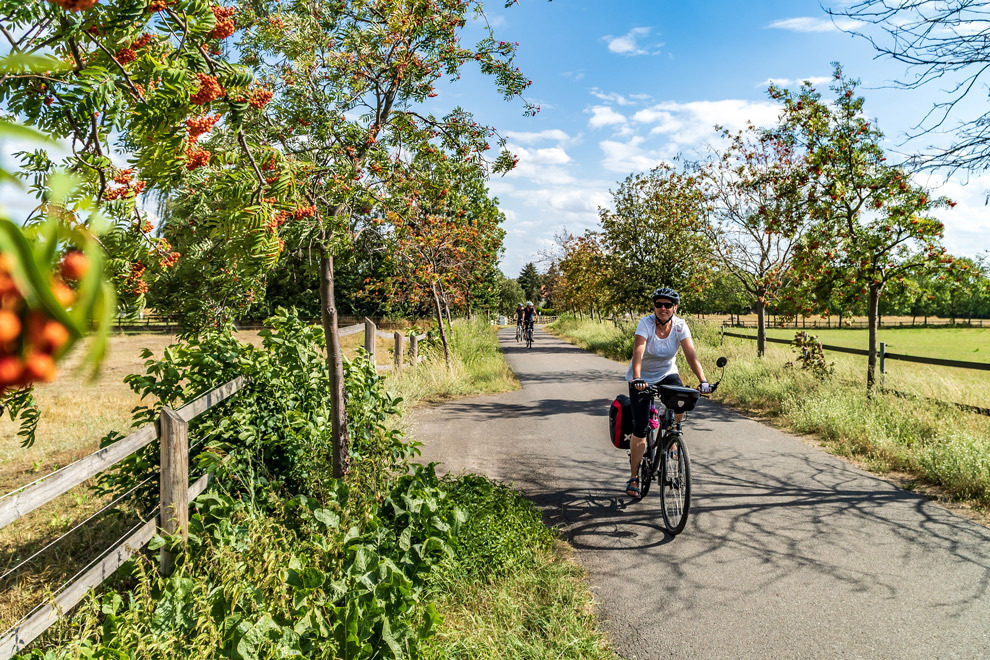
706	388
639	384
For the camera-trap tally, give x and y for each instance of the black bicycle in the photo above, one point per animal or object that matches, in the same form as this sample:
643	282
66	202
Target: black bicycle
529	334
671	465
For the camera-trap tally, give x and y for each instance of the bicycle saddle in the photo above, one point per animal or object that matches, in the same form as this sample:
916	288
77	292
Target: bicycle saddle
678	399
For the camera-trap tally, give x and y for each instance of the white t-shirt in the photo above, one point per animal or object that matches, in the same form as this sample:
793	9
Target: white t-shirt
659	358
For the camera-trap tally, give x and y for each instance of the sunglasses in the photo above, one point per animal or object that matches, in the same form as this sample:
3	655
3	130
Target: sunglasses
664	305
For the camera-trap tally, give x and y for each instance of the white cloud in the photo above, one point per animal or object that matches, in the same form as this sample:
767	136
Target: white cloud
576	75
967	225
815	24
692	123
628	44
626	157
540	166
603	115
793	82
530	137
612	97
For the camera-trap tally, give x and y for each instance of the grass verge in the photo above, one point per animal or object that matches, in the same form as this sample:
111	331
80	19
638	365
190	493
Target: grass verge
934	445
477	367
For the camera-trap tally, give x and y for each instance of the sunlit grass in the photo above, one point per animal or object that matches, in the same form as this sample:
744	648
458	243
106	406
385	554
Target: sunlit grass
477	367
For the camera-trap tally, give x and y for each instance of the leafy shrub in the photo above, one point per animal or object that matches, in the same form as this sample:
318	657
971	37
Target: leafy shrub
501	527
811	355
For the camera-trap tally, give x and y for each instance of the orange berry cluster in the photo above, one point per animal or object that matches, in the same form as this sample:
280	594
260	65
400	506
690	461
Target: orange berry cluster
260	97
196	157
29	338
127	189
141	41
147	227
158	5
268	165
125	55
303	212
209	90
199	125
74	5
134	281
170	259
225	22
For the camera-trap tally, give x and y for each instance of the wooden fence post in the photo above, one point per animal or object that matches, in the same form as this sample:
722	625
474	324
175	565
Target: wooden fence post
398	349
414	349
369	338
174	434
882	360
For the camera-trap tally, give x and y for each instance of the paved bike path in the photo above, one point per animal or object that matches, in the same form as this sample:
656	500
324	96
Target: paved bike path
788	553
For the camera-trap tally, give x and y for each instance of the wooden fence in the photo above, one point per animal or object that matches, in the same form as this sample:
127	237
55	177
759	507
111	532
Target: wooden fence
172	514
818	324
883	356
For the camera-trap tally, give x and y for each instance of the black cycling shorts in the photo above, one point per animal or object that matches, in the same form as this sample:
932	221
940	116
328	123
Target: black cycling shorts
641	404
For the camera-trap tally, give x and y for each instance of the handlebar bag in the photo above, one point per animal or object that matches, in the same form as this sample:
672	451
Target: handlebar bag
620	421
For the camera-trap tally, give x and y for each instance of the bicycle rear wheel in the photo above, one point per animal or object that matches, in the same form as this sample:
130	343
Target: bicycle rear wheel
518	334
529	338
675	485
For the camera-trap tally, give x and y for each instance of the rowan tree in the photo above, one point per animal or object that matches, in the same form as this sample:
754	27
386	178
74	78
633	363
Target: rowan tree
583	281
350	88
870	223
144	80
440	227
755	189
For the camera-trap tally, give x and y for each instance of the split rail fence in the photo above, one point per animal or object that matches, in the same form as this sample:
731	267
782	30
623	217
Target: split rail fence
177	494
883	356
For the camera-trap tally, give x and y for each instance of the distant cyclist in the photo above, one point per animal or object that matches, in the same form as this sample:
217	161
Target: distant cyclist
654	361
520	308
530	316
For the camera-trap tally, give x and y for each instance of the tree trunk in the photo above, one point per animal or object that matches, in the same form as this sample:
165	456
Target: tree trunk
761	325
335	368
438	311
874	320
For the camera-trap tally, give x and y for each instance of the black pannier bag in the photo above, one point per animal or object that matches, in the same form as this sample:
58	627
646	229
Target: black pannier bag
620	421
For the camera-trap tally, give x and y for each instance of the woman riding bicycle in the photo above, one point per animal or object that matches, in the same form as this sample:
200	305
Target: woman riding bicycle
654	360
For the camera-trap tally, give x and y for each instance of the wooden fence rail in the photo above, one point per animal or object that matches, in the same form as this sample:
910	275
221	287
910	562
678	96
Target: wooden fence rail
177	494
862	325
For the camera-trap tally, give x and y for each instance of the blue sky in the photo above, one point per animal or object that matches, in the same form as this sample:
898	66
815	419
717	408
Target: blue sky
626	84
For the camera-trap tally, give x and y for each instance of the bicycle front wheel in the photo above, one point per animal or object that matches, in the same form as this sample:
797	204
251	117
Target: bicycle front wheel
675	485
529	339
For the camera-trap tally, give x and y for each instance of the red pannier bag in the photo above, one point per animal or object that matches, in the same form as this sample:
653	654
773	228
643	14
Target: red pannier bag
620	421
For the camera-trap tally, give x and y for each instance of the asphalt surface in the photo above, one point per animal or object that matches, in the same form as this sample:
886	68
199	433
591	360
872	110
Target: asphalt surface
788	552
